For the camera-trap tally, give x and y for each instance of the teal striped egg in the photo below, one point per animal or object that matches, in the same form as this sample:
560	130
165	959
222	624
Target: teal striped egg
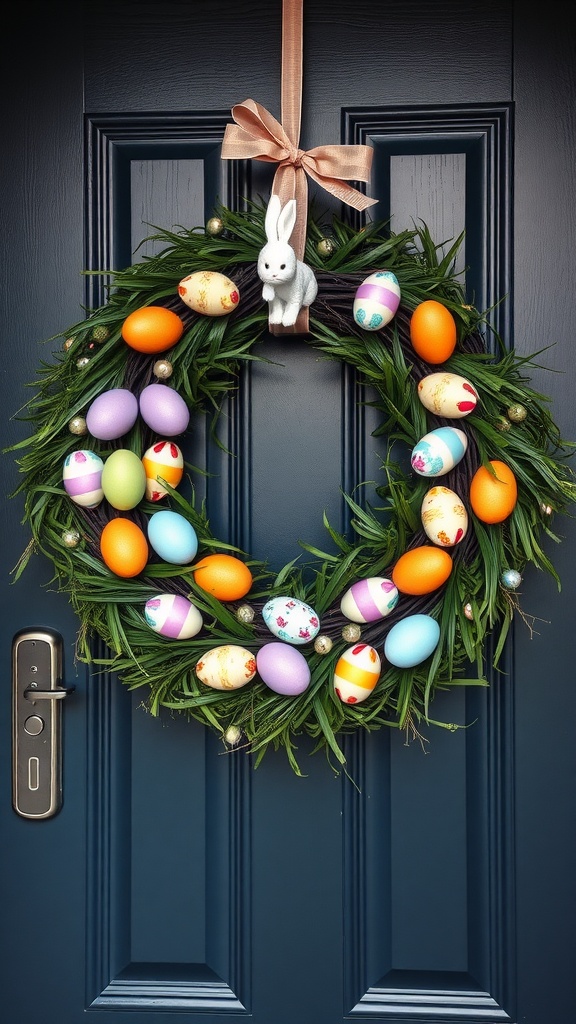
439	451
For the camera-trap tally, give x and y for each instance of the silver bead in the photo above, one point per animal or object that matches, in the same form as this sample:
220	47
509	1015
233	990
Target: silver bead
322	645
511	579
82	362
245	613
351	633
162	369
215	226
71	538
546	510
468	611
233	735
77	425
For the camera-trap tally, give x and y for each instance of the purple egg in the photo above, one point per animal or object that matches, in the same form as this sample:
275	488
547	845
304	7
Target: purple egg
164	410
283	669
112	414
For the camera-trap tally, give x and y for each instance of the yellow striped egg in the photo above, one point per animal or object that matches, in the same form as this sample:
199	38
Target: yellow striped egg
164	459
356	674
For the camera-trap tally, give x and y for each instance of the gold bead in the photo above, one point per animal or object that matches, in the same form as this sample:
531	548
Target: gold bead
502	424
245	614
322	645
233	735
325	247
71	538
351	633
215	226
77	425
516	413
163	369
100	334
468	611
68	344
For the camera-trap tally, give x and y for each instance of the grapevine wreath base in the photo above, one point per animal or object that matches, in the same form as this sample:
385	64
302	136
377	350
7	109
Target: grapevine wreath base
479	598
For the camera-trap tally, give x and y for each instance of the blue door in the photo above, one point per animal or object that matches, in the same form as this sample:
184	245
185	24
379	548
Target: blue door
428	882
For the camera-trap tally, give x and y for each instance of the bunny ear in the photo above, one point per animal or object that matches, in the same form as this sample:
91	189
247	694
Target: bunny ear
271	219
286	221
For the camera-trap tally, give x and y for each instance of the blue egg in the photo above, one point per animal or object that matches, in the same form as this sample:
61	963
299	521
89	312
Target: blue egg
411	640
439	451
172	537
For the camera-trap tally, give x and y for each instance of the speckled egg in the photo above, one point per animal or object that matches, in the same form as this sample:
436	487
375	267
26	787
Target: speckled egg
163	459
173	616
439	451
444	517
209	293
376	300
291	620
411	641
369	600
173	538
283	669
123	479
448	395
164	410
226	668
112	414
356	674
82	478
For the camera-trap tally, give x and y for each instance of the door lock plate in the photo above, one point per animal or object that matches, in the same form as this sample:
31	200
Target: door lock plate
37	694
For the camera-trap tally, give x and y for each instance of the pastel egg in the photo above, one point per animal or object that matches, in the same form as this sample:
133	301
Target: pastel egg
411	641
173	616
123	479
173	538
226	668
164	410
163	460
422	569
444	517
493	492
447	394
433	331
369	600
439	451
291	620
376	300
283	669
209	293
123	547
356	674
82	478
112	414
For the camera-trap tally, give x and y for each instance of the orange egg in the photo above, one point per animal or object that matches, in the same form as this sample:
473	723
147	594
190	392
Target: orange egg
124	547
223	576
422	570
493	495
433	331
152	329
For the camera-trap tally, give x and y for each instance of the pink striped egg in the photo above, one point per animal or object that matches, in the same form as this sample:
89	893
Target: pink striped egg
173	616
376	300
356	674
82	478
369	600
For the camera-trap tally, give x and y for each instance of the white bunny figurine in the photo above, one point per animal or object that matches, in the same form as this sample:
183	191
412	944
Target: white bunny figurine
289	284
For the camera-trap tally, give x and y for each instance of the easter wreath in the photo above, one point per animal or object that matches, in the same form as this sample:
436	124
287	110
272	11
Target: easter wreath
509	431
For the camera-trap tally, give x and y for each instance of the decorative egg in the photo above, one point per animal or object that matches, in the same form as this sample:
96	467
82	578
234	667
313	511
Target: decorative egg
444	517
493	492
291	620
226	668
124	547
164	459
82	478
152	329
422	570
411	641
209	293
433	331
224	576
123	479
376	300
173	538
369	600
439	451
356	674
112	414
164	410
448	395
283	669
173	616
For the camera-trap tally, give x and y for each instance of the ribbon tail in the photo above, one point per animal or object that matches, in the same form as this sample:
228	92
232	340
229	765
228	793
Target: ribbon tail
342	191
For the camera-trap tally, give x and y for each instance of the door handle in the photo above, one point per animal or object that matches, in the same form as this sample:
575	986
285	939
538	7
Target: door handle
37	695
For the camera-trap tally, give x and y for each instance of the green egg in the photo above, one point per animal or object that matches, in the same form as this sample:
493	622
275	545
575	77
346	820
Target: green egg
123	479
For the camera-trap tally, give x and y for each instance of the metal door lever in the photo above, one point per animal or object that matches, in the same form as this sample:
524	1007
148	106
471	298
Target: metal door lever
37	734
